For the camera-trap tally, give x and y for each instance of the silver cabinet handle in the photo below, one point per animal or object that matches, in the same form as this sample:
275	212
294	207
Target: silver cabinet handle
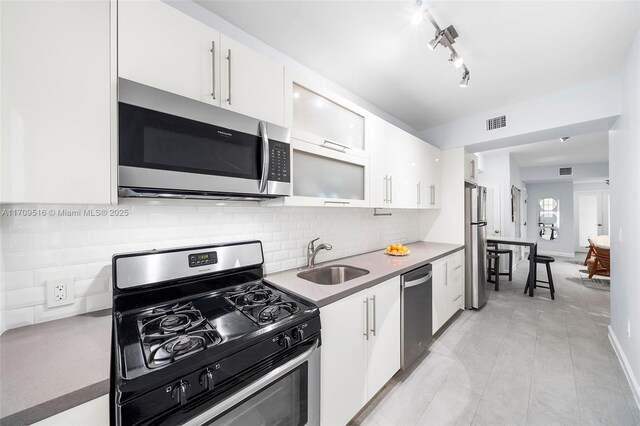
433	195
473	169
418	193
265	156
337	202
391	189
213	69
384	189
373	300
366	325
327	144
229	74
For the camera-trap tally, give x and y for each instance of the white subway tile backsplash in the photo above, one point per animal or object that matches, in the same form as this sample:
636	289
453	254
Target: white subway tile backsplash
37	249
42	275
91	286
41	313
99	301
17	280
14	318
25	297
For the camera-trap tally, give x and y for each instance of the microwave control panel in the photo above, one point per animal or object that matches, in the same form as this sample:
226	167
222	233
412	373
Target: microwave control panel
280	161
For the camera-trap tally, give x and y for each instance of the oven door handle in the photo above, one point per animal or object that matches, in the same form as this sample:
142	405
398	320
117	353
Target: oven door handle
265	157
251	389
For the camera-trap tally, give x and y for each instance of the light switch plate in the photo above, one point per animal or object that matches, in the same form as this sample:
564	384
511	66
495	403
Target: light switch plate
60	292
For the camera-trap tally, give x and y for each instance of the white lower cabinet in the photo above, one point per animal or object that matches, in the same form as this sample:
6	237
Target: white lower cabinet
447	288
360	349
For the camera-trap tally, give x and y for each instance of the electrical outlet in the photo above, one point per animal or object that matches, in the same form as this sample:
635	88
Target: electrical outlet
60	292
628	328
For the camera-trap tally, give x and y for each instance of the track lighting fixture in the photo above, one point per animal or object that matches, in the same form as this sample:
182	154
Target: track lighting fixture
465	78
564	138
456	59
433	43
444	37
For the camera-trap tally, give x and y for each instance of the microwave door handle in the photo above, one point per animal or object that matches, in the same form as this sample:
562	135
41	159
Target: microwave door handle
265	157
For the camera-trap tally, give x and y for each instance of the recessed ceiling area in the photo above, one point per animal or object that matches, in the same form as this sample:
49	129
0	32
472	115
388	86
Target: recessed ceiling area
580	149
515	50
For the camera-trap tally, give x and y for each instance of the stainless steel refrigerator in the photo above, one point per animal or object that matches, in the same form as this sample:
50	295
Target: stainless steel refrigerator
475	204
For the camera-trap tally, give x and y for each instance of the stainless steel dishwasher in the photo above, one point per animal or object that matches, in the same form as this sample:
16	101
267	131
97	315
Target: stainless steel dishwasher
416	315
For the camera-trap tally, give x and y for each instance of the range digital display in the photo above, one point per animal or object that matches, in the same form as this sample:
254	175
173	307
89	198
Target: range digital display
200	259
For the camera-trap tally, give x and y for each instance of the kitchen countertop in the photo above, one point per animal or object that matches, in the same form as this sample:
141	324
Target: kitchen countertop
50	367
381	267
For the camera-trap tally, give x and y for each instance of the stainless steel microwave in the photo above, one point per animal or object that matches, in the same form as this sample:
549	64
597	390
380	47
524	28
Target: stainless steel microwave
176	147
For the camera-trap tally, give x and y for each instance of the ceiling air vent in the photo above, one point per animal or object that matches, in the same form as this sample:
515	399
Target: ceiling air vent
497	122
566	171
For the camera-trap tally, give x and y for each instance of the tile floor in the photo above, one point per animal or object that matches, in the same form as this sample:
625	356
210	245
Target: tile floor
517	361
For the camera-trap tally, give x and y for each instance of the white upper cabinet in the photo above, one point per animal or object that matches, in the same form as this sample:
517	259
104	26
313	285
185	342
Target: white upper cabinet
429	177
320	117
164	48
58	93
251	83
405	171
470	167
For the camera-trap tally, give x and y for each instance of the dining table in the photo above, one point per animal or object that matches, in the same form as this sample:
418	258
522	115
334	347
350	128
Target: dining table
532	243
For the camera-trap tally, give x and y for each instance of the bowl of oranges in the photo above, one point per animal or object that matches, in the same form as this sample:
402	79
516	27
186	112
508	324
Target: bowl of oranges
397	249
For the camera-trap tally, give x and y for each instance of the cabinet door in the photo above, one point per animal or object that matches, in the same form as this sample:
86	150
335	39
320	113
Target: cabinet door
471	167
58	90
455	281
162	47
344	359
384	332
378	187
440	302
251	83
433	189
402	151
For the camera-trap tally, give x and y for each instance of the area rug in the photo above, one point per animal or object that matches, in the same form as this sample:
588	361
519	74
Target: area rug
598	281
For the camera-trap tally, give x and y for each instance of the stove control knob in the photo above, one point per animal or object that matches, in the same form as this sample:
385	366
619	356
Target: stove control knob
179	392
284	341
206	379
298	334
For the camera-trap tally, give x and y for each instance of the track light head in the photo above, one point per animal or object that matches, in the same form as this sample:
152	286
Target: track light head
564	138
456	59
465	79
433	43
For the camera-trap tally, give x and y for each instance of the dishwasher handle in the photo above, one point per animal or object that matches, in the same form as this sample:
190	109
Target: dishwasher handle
419	281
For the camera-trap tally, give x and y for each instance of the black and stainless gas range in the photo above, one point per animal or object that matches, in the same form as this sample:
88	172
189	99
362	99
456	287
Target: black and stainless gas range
200	338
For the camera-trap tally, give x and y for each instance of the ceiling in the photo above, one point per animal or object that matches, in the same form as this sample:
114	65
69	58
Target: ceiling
515	50
581	149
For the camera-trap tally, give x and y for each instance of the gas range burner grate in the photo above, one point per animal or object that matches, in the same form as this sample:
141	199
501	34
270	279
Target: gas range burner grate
261	304
173	332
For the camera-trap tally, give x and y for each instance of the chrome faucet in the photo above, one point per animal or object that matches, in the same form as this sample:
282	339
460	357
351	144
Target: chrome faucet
313	251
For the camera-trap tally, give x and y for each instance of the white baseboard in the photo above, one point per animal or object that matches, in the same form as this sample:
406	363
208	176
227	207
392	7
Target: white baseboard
631	378
556	253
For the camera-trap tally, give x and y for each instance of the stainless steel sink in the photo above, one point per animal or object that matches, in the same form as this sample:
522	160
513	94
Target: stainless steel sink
334	274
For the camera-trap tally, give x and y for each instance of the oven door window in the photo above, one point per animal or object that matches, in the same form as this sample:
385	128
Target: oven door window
154	140
283	402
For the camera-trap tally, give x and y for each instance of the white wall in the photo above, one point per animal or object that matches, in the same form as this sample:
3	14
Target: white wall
36	249
624	158
563	192
578	110
448	222
551	173
590	186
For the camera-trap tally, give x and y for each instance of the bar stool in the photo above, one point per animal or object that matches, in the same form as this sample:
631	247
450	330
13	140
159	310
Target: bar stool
492	248
547	260
493	267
